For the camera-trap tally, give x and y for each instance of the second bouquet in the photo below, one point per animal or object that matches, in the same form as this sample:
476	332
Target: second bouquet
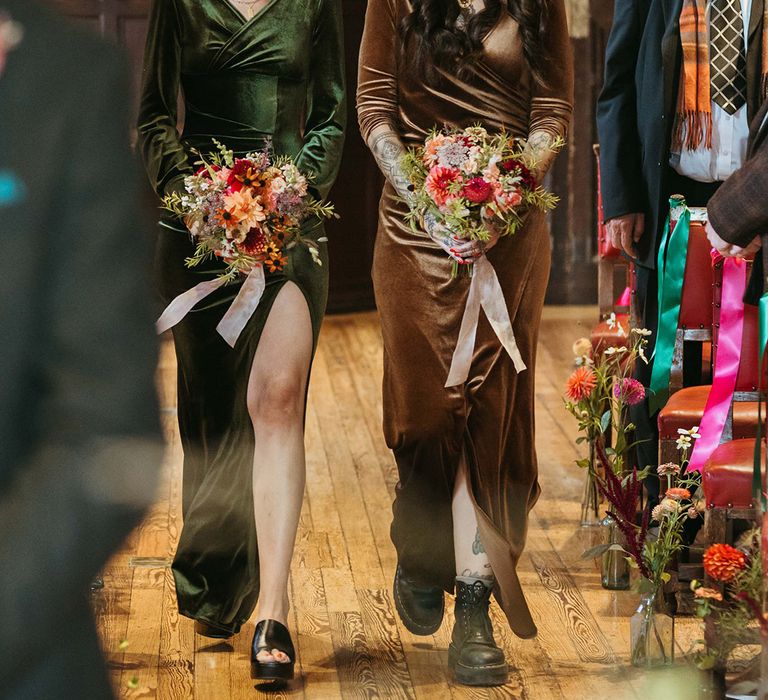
468	180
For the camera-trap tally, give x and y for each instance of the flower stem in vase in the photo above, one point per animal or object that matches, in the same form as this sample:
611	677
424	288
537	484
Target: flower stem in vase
652	632
590	502
614	570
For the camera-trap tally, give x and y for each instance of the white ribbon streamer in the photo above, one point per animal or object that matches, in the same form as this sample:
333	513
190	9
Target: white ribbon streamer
484	291
183	304
240	311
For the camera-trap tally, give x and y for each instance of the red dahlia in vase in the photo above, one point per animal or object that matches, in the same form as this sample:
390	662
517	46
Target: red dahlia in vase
469	180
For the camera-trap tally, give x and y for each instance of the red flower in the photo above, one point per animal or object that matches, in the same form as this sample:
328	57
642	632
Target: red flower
439	181
581	384
477	190
527	180
243	174
255	243
206	170
722	562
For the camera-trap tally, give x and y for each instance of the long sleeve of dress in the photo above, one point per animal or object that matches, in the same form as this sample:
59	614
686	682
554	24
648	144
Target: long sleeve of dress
327	109
164	155
377	102
552	101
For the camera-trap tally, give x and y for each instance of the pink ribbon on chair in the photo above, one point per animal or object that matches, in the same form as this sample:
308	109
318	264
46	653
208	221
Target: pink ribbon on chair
625	299
486	292
727	359
237	316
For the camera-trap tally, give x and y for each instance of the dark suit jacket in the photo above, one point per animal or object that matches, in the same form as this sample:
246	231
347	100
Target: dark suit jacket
636	108
739	210
78	417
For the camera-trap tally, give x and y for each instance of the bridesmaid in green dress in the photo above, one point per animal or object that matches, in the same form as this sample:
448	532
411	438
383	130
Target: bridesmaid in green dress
252	73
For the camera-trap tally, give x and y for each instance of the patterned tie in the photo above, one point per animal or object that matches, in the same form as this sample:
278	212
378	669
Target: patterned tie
728	63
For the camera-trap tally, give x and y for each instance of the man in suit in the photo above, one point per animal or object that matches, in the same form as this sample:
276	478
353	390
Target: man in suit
682	81
79	436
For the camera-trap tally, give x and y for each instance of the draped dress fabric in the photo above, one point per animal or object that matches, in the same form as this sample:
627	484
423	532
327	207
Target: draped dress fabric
276	79
490	419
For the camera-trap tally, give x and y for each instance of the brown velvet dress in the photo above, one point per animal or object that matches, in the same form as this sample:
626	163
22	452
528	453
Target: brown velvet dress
490	419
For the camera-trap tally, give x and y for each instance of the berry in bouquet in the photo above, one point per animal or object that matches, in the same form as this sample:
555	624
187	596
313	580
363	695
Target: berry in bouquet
468	181
247	211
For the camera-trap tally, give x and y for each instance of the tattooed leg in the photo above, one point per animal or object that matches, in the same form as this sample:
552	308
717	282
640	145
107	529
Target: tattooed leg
471	559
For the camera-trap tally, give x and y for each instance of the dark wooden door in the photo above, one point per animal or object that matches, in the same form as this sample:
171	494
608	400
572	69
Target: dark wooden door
356	193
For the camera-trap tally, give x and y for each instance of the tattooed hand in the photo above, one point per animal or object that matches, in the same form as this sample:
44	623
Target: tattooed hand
442	236
540	152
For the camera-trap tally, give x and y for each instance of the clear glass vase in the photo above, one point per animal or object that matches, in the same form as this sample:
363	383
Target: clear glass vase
614	569
652	632
590	502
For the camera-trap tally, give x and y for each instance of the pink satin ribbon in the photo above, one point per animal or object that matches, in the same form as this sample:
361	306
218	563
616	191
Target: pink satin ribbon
626	298
237	316
486	292
727	359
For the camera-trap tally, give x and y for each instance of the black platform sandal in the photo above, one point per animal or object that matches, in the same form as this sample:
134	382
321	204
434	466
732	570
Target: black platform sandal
211	630
473	655
269	635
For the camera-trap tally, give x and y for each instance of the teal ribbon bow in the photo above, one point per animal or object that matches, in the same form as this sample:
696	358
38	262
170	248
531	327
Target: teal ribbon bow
673	253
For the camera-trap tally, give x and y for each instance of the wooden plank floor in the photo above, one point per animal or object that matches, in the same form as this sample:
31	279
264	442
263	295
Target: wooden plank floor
350	642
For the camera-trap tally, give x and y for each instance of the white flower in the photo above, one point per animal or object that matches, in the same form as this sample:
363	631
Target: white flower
642	331
611	321
657	513
668	469
614	351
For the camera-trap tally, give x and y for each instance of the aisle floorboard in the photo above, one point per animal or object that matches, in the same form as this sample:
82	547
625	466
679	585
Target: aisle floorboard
350	642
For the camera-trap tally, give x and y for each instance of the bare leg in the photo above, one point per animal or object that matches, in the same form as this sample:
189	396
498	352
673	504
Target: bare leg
276	391
471	560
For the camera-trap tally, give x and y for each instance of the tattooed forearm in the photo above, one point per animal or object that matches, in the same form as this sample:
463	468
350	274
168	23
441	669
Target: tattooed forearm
541	150
387	149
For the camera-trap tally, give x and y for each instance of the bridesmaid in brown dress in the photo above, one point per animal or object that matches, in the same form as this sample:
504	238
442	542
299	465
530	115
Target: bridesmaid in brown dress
465	455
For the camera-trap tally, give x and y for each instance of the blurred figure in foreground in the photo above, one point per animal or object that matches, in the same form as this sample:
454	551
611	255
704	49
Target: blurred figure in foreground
79	437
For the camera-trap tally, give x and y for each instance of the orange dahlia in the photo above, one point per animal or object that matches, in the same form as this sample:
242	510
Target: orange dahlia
678	494
581	384
722	562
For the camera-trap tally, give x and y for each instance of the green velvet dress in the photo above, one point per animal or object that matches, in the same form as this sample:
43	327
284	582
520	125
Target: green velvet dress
277	78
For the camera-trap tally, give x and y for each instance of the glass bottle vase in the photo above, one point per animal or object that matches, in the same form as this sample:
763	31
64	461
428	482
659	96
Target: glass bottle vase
590	502
652	632
614	567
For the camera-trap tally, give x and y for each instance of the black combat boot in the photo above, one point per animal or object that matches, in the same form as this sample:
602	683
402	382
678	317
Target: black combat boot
473	655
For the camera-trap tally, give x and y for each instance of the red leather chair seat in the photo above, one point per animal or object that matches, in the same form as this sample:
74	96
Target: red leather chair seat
602	336
727	475
685	409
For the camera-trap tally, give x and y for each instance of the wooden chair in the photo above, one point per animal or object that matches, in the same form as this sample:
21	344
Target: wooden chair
614	274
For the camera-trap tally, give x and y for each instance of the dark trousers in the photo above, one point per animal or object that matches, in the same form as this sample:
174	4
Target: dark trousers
696	194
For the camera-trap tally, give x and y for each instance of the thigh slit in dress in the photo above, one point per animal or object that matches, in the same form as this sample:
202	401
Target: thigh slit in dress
275	80
489	420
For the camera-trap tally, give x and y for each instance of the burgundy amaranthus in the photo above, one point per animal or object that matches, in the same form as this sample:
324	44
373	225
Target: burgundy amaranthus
624	501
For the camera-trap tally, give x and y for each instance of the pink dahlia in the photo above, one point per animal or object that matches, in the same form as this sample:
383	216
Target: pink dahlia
439	181
629	390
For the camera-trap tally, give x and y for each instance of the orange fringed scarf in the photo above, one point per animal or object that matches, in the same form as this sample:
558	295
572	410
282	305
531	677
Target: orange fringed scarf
693	120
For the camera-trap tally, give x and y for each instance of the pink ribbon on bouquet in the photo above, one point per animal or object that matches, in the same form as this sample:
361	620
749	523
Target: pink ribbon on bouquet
727	359
484	291
237	316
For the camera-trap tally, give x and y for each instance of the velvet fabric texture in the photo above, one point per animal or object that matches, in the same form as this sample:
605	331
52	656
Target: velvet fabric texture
490	419
278	79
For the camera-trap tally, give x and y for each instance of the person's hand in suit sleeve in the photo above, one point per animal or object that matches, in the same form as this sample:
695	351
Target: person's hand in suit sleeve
620	152
738	212
82	489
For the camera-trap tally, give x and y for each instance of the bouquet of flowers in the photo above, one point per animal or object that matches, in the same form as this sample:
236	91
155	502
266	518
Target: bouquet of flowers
247	211
467	179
